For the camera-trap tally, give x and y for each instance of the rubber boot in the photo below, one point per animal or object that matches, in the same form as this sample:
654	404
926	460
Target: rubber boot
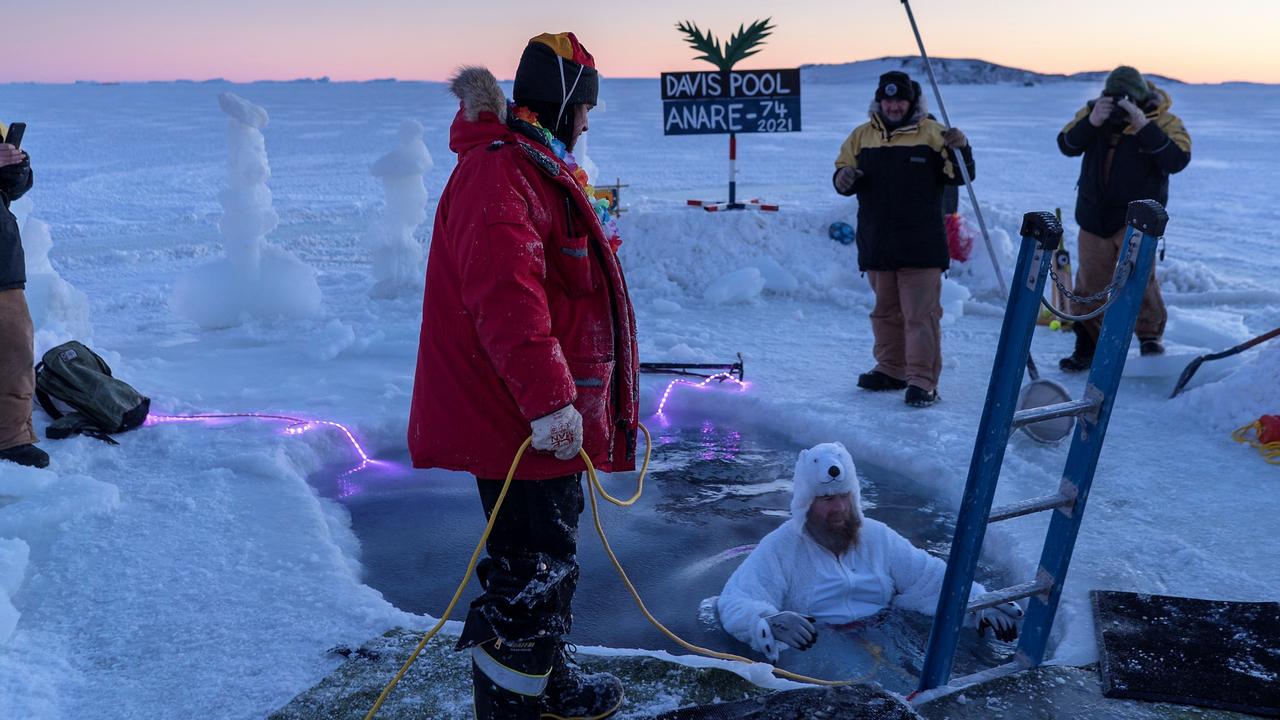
876	381
1081	358
508	679
28	455
919	397
574	694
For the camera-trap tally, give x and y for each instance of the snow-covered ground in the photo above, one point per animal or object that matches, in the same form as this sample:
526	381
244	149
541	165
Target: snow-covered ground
193	572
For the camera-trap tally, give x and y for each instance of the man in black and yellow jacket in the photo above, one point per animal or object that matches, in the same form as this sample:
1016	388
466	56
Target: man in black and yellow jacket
898	164
1131	144
17	379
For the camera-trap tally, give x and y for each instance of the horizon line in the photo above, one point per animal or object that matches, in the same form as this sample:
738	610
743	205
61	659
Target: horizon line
328	79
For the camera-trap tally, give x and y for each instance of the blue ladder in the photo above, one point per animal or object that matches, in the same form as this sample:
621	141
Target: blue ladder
1041	233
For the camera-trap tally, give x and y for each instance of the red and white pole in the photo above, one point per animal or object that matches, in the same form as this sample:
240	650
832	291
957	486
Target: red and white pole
733	170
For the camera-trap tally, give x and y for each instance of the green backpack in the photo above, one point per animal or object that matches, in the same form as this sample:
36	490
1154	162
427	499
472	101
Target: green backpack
100	403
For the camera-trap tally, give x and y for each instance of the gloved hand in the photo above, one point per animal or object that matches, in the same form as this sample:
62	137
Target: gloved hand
793	629
559	433
1137	118
1002	619
1102	108
846	177
953	138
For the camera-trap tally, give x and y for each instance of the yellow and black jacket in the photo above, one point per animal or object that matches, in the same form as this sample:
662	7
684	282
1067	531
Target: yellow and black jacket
1121	166
14	181
900	191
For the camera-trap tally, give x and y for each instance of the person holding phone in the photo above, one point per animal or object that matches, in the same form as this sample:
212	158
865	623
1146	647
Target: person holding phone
17	335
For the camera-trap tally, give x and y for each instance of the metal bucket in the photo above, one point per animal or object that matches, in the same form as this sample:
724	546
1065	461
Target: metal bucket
1039	393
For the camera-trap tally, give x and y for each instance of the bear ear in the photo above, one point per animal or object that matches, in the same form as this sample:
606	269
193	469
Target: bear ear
840	445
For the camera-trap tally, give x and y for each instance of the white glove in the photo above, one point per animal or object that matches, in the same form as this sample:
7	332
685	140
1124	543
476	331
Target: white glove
559	433
1002	619
846	177
784	628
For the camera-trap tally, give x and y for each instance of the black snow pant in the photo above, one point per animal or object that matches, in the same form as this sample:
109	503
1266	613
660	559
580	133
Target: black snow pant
532	566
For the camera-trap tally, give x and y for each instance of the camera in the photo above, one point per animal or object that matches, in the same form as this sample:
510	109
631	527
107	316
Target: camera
1118	117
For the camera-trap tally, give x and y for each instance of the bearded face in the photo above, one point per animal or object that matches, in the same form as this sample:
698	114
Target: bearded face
895	111
832	522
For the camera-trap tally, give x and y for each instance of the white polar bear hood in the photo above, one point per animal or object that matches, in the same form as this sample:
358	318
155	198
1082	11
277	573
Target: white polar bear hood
823	470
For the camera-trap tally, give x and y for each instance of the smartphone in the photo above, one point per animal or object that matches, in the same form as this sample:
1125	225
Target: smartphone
14	136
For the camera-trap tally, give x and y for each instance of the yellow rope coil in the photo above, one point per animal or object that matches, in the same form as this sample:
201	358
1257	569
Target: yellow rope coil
1270	451
594	487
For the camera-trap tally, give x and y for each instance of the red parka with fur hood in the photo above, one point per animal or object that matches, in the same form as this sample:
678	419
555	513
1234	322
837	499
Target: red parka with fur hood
525	310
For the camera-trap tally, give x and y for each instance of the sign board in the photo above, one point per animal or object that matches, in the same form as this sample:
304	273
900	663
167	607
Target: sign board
738	101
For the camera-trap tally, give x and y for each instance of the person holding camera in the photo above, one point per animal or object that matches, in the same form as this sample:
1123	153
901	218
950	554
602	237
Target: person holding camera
899	164
17	336
1131	144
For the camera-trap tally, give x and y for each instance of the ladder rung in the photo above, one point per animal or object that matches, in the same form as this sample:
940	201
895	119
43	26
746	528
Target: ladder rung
1056	410
1018	664
1009	594
1028	506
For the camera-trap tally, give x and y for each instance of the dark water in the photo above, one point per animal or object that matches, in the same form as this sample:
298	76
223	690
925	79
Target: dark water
711	493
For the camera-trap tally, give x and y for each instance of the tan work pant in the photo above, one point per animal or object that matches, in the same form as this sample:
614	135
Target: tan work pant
17	376
1096	265
907	324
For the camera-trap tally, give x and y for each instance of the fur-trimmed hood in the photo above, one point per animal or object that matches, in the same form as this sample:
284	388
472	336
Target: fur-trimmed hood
482	112
479	92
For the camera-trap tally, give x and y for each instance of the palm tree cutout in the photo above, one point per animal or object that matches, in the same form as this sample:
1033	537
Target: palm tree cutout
742	44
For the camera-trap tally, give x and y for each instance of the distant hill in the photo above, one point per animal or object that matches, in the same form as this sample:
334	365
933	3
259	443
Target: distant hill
950	71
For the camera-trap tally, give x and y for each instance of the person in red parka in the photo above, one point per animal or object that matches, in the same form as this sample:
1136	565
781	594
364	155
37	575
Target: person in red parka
527	329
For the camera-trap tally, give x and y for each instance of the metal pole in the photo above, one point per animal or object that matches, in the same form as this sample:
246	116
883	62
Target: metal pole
733	171
964	171
1032	370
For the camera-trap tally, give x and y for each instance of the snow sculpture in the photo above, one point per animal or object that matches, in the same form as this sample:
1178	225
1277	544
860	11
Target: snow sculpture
397	255
254	280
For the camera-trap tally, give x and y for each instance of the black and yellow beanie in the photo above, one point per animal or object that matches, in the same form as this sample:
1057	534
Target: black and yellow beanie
556	70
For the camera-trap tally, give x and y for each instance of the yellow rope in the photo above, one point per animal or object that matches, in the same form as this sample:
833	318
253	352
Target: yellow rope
594	487
635	595
1270	451
466	578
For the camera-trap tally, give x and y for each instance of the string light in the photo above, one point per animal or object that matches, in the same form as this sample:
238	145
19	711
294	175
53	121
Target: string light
297	426
718	376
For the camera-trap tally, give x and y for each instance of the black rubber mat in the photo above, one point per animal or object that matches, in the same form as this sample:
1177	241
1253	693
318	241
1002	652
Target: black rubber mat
1210	653
864	702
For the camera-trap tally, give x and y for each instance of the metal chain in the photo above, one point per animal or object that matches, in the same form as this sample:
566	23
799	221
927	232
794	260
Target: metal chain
1110	292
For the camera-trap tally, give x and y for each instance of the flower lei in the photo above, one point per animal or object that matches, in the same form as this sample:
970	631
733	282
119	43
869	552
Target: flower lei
600	205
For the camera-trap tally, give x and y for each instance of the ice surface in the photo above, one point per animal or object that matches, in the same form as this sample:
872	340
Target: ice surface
739	286
59	311
954	296
13	566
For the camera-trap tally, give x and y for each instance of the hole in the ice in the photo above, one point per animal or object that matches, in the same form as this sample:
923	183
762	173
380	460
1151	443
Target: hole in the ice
712	493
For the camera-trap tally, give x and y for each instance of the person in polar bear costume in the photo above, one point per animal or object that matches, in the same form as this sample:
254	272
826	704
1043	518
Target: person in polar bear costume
829	565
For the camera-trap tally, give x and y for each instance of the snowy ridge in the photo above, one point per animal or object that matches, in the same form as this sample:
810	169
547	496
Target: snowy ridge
949	71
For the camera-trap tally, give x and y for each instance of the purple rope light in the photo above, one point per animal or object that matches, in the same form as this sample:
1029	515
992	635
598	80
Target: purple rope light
297	426
718	376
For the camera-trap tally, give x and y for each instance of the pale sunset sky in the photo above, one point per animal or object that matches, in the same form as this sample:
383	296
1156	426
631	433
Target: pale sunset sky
242	40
